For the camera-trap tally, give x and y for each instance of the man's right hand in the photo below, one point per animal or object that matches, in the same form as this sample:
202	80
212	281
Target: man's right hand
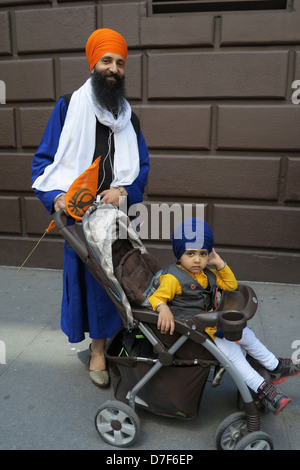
60	203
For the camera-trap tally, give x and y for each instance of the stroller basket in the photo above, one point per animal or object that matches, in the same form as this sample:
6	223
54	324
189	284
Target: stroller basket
174	391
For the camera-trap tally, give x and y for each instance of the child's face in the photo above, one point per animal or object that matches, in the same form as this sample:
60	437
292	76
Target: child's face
194	260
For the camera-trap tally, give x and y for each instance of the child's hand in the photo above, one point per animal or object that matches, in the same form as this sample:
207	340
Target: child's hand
215	260
165	320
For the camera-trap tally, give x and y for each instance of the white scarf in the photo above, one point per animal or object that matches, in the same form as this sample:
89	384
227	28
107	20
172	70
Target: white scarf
77	144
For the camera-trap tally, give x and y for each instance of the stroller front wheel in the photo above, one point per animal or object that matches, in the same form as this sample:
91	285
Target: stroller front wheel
233	434
117	423
256	440
230	430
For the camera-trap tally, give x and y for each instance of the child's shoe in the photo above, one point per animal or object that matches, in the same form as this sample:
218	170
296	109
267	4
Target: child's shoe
286	368
274	400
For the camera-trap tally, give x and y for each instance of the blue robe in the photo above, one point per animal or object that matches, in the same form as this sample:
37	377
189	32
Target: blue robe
86	307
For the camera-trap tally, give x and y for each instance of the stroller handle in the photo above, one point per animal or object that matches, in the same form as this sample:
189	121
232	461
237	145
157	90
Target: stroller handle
59	224
70	234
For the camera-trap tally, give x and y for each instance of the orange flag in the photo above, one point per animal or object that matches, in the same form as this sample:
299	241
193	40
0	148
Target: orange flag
79	197
82	192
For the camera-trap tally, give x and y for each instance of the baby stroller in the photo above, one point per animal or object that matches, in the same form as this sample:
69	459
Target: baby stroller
161	373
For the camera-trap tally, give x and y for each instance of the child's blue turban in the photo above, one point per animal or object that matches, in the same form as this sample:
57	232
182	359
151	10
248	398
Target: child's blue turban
192	234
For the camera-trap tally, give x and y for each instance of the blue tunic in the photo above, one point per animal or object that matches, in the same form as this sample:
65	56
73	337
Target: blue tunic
86	307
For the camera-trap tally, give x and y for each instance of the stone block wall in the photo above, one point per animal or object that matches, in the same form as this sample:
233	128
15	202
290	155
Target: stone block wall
213	91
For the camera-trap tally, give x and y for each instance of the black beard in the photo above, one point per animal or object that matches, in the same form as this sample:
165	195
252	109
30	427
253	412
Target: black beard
109	95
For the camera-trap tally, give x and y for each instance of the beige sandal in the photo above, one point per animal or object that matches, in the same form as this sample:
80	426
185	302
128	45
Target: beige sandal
98	377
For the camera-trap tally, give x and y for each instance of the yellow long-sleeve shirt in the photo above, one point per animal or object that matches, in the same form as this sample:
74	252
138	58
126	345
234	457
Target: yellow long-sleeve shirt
170	286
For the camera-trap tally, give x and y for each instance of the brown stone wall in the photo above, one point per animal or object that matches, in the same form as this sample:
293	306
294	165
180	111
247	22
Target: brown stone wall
214	95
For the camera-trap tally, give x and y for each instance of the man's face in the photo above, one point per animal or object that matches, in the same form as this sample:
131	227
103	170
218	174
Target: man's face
111	66
108	81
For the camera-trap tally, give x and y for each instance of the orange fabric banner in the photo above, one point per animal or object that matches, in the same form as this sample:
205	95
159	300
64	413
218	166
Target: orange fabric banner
82	192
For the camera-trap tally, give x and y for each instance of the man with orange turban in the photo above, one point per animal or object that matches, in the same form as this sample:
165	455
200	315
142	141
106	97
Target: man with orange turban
96	120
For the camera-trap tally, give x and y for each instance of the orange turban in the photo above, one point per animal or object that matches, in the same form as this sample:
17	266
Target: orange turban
104	40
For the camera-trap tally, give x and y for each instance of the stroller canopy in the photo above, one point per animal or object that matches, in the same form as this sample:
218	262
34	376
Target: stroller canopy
103	225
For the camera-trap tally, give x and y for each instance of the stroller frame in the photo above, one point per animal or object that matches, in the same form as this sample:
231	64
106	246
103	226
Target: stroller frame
240	430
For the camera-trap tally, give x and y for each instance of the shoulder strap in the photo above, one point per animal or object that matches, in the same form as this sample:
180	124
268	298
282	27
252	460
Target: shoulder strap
67	99
136	124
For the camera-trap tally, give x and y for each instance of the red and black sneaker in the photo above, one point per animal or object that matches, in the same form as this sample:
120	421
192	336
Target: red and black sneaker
285	369
274	400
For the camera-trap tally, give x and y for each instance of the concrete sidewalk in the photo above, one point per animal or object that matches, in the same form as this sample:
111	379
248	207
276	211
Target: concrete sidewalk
48	401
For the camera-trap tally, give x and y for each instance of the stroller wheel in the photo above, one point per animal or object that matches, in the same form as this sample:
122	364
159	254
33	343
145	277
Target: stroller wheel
256	440
230	431
117	423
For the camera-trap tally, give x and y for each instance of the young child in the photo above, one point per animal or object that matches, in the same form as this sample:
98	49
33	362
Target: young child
189	285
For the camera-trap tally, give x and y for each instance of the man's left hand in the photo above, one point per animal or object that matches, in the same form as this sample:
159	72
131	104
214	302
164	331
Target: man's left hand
112	196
